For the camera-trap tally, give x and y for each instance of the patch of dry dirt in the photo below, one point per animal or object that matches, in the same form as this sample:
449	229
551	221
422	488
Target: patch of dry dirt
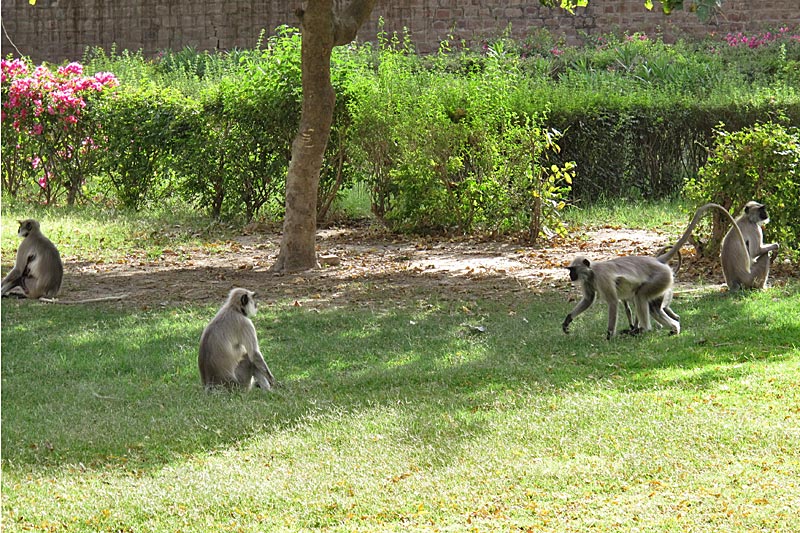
376	269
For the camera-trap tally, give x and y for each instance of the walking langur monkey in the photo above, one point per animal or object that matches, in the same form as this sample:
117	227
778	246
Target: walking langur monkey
229	353
642	280
745	260
38	270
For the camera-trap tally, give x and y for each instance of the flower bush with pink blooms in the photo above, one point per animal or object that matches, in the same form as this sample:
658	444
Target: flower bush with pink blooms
754	41
46	138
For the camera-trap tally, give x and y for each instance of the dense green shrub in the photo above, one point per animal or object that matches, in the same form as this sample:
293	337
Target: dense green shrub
762	163
460	140
140	129
447	152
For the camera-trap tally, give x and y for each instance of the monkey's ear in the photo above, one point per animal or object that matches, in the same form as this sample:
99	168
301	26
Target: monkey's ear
244	299
586	263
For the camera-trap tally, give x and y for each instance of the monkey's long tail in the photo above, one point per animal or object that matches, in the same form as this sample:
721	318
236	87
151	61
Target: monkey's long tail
86	301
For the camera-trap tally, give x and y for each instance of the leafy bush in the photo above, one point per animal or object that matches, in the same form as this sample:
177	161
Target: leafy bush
760	163
239	152
454	141
140	129
447	152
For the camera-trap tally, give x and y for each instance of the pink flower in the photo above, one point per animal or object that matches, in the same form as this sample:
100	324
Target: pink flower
107	79
75	69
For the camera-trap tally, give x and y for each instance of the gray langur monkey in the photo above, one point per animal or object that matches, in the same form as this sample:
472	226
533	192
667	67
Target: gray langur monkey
642	280
229	353
744	257
38	269
745	260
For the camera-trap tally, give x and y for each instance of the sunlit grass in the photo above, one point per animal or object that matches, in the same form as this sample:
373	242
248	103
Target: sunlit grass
652	215
397	418
98	234
405	420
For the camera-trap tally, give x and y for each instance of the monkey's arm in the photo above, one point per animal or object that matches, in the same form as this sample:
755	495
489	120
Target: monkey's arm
14	277
583	305
765	249
612	317
258	361
254	353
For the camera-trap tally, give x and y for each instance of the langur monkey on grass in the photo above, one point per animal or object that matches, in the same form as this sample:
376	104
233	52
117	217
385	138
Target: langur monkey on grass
641	280
744	256
745	260
38	269
229	353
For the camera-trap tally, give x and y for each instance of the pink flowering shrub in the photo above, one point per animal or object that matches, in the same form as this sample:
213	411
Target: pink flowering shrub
755	41
46	136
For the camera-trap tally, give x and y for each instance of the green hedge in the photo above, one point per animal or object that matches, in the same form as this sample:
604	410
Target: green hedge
461	140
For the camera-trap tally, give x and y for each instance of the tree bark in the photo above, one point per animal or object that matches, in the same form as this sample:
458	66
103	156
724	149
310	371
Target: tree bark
322	28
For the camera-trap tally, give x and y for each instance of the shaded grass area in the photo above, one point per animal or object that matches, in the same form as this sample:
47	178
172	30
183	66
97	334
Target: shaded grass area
406	419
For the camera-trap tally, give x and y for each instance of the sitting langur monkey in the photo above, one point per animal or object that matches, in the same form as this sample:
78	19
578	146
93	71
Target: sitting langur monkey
229	353
642	280
38	269
745	260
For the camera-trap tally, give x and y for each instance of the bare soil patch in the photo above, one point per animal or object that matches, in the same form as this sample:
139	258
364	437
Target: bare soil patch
376	269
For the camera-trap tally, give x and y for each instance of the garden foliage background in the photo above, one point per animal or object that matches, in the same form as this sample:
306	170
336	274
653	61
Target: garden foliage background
493	139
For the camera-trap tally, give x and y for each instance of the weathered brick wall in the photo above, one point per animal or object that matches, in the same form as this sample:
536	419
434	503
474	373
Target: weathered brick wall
56	30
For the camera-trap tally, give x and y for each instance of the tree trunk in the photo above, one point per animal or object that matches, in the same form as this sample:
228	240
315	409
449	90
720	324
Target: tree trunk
322	29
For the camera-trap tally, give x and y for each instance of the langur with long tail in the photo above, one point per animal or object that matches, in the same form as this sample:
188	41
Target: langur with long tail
645	281
745	257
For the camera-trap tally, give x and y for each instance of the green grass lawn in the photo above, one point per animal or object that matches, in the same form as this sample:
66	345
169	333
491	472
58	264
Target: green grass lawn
404	419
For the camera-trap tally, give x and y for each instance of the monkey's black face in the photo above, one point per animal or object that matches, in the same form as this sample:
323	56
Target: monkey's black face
757	214
573	273
25	227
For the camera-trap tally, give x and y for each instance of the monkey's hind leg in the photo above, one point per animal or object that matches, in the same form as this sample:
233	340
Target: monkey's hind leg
15	292
760	272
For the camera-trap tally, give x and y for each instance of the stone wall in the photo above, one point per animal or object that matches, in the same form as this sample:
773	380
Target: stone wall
58	30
